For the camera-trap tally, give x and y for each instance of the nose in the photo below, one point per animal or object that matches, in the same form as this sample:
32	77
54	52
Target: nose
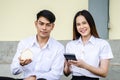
81	26
44	26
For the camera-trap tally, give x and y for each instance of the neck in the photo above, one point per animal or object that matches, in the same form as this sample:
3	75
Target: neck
42	41
85	39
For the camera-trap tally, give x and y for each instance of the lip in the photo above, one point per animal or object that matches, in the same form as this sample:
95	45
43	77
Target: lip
83	30
43	32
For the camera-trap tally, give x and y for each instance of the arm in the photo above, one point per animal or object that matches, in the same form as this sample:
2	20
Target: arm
16	68
67	69
102	70
18	65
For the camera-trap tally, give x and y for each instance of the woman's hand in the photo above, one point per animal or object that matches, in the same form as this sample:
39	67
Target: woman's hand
79	63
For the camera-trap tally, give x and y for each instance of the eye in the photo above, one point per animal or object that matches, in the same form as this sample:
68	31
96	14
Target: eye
41	23
48	24
84	22
77	24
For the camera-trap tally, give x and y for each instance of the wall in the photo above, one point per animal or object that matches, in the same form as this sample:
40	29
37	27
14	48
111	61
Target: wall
114	25
100	12
8	49
17	17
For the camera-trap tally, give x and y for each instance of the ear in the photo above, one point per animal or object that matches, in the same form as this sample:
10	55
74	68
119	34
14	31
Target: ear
35	24
53	26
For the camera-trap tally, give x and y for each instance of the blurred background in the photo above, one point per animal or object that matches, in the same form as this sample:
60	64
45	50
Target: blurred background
17	17
17	22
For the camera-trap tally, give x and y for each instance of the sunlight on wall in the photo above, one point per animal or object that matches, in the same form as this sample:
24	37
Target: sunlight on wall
17	17
114	32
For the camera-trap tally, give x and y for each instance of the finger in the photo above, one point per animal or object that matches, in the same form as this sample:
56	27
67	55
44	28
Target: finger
73	62
22	63
27	61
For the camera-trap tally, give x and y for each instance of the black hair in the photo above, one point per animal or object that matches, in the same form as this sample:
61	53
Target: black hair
47	14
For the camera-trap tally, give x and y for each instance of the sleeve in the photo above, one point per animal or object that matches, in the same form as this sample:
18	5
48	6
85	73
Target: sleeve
16	68
57	67
106	52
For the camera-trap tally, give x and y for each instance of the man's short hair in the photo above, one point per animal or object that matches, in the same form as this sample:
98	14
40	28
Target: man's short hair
47	14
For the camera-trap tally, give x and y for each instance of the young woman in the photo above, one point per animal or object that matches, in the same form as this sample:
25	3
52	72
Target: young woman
93	54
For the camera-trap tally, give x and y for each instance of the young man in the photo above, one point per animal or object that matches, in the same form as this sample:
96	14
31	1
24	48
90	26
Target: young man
47	59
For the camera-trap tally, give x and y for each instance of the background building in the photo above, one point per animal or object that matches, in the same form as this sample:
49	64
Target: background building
17	22
17	17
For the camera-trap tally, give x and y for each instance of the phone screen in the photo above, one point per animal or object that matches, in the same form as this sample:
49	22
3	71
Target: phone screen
69	56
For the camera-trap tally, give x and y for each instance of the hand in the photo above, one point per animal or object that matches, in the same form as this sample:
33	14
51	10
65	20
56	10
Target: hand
67	63
24	62
67	68
79	63
33	77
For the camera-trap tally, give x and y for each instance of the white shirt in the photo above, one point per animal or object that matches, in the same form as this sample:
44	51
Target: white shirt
47	62
92	52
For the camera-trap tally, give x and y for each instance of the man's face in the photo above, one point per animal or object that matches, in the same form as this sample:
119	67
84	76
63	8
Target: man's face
44	27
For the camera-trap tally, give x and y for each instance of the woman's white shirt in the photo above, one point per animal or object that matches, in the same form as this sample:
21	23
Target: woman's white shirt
92	52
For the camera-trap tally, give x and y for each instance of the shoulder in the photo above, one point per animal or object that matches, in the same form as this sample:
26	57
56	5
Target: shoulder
56	43
27	40
101	42
71	42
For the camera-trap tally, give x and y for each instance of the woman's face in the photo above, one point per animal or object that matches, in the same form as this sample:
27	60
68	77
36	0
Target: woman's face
82	26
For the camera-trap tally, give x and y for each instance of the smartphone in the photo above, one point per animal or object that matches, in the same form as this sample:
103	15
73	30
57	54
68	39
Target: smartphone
69	56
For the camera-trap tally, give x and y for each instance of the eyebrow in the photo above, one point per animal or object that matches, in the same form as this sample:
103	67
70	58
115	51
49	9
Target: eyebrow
43	22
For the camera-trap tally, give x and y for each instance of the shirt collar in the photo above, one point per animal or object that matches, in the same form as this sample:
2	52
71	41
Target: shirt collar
91	40
34	42
47	45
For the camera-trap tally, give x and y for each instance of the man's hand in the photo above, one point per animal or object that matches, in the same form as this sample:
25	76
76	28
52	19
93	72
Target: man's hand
24	62
33	77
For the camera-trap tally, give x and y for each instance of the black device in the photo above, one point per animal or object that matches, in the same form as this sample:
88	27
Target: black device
70	56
